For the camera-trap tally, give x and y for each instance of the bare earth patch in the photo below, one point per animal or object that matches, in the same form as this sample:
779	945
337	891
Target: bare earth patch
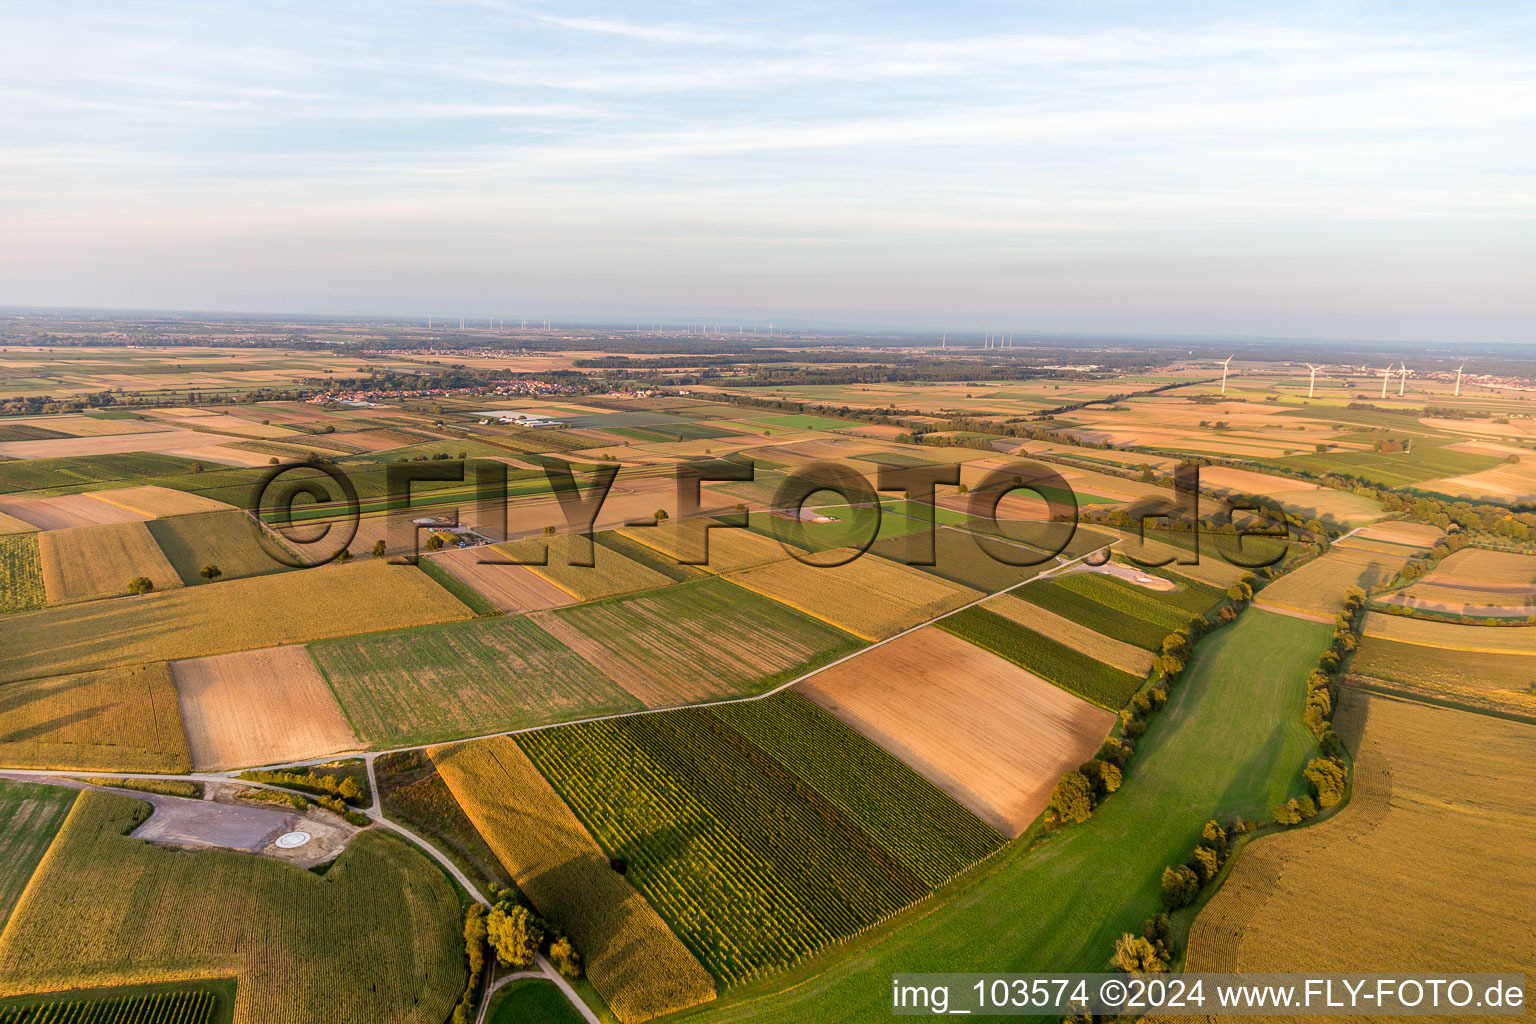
511	588
258	707
988	733
66	511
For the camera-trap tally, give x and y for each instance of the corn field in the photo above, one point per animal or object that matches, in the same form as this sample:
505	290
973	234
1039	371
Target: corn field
193	1006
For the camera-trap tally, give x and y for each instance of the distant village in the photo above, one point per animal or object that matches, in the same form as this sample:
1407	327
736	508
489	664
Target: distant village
506	388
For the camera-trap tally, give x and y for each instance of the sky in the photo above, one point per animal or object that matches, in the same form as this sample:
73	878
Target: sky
1353	170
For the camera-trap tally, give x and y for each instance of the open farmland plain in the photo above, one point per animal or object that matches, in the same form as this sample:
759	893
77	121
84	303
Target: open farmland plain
1230	742
140	1005
461	679
21	573
751	864
265	611
117	719
1117	654
1318	588
1441	798
1075	671
382	905
870	596
509	588
30	816
696	641
258	707
225	539
988	733
88	562
632	957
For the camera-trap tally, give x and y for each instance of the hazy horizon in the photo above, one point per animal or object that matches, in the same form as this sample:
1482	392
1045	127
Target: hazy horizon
1187	171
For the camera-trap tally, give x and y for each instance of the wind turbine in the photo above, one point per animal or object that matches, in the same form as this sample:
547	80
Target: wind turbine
1463	366
1224	366
1386	375
1312	385
1402	381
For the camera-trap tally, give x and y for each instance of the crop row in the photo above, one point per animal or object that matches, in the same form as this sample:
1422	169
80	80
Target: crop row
913	820
190	1006
21	573
1109	607
1071	670
750	865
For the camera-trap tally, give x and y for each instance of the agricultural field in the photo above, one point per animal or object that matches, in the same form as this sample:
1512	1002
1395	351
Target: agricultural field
532	1001
1451	636
1115	653
65	511
89	562
752	866
508	588
610	575
1477	679
1318	588
1072	670
1486	569
871	597
1432	786
31	815
1113	607
123	719
10	525
376	938
264	611
226	539
21	574
161	1006
696	641
959	557
632	958
993	736
441	682
156	502
730	549
258	707
1230	742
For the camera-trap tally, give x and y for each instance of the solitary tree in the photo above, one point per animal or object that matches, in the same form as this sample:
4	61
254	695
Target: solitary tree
515	935
344	555
140	585
378	549
210	572
435	543
661	514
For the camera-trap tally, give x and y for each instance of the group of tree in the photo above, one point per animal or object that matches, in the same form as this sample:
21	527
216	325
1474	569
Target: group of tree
1181	883
517	935
1328	779
1151	952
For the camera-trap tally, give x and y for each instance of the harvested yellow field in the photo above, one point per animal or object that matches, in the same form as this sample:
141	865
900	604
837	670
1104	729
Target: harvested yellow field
1243	481
1380	547
66	511
1319	587
1210	569
88	562
363	596
870	596
1116	653
988	733
1417	535
1486	568
169	441
117	720
632	957
155	502
730	549
258	707
1428	868
510	588
1506	484
1451	636
81	425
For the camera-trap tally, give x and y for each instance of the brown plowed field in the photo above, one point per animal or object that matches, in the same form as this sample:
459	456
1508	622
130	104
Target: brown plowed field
511	588
258	707
988	733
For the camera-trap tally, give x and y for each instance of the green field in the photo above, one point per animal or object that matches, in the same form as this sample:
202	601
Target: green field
800	422
159	1005
426	685
1071	670
532	1001
1229	742
224	539
912	820
376	938
1106	605
1429	460
82	472
30	815
21	573
700	640
756	865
